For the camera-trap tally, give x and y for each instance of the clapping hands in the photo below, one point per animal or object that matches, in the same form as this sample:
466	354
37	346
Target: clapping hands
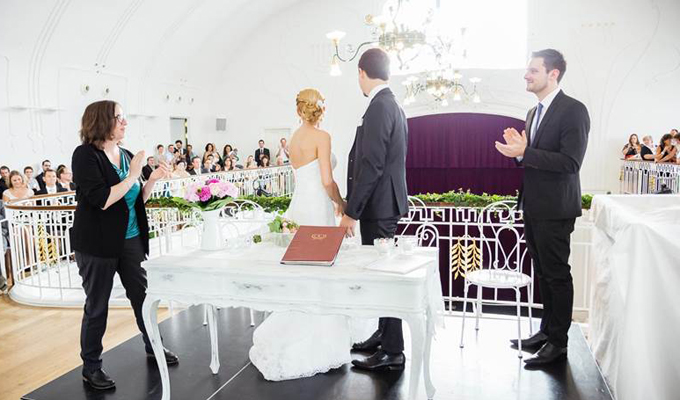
515	143
162	171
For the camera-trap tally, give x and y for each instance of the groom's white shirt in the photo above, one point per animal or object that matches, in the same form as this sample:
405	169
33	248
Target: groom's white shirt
375	91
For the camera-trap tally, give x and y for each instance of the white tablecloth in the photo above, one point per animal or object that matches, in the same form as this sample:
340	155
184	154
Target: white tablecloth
635	295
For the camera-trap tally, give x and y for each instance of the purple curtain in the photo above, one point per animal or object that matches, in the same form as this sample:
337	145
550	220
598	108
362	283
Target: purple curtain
456	151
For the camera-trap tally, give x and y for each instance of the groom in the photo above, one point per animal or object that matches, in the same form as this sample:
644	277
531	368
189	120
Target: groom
376	190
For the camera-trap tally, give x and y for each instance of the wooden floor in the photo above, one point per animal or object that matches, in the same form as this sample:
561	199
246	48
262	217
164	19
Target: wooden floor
39	344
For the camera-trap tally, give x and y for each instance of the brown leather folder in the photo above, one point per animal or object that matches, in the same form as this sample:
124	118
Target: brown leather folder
314	245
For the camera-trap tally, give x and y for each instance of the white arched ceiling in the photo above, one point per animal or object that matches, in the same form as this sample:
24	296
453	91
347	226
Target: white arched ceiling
140	50
246	59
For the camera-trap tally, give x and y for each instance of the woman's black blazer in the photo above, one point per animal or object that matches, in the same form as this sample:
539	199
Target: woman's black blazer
95	231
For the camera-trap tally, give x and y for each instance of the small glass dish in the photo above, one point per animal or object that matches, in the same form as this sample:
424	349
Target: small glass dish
407	244
384	246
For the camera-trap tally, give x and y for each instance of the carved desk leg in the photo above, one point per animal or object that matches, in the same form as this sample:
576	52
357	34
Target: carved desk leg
421	341
214	347
150	316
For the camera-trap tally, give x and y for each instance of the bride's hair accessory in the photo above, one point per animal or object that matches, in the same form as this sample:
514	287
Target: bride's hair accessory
310	105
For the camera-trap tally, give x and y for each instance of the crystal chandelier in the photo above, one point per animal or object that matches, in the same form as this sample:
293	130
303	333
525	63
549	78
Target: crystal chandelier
391	35
441	85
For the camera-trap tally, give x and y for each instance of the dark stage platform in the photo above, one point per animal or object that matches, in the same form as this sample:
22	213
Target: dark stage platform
487	368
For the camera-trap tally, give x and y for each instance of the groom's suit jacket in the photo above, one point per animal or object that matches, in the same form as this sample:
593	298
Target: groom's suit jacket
552	160
376	171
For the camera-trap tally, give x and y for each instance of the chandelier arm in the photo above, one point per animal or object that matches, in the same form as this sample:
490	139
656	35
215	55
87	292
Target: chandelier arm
356	52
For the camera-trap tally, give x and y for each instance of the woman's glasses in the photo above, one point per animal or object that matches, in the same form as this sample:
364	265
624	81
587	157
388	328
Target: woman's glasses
120	118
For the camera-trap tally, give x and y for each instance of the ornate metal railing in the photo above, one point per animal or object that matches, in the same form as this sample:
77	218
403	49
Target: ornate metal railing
276	181
468	240
43	263
643	177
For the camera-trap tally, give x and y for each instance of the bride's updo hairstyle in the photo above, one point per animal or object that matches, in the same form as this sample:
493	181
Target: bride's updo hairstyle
310	105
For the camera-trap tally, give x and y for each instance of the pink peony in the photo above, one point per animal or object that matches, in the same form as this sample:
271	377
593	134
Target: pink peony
191	193
205	194
212	181
232	190
227	189
215	189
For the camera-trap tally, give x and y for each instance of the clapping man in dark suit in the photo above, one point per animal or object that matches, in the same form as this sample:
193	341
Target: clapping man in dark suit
260	153
376	190
551	150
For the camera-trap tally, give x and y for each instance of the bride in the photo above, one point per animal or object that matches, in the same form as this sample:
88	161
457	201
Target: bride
290	345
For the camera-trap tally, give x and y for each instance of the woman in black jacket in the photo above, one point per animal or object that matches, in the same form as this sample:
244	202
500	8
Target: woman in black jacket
110	231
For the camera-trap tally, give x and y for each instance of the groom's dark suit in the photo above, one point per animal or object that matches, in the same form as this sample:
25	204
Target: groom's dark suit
551	201
376	184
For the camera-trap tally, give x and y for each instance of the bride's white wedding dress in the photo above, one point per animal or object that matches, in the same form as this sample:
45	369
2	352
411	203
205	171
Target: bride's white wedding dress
290	345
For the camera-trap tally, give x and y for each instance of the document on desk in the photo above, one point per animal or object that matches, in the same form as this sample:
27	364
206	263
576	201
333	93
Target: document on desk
314	245
399	263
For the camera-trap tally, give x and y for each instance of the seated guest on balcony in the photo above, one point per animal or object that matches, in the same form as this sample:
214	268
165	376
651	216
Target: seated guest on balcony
46	164
110	231
51	187
180	170
148	168
250	163
676	142
647	148
17	190
207	165
283	151
160	153
264	162
210	151
666	151
179	147
632	148
217	168
195	166
189	154
234	156
4	179
228	164
226	152
170	153
65	178
261	152
30	180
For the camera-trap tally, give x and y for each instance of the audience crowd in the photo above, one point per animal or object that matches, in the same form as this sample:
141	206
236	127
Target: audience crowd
666	151
183	161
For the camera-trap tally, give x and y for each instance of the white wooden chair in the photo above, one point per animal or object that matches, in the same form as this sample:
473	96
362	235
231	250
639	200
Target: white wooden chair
501	258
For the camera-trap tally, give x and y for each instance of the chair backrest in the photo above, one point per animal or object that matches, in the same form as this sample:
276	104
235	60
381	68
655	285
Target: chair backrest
500	240
417	214
427	235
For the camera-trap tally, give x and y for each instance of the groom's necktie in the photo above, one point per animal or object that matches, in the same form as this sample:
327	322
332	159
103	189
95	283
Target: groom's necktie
536	121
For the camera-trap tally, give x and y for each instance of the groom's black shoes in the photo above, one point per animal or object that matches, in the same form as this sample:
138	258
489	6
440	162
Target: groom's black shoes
381	360
170	357
548	354
369	345
98	379
534	342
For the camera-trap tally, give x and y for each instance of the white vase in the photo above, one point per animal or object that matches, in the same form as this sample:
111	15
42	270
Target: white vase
211	236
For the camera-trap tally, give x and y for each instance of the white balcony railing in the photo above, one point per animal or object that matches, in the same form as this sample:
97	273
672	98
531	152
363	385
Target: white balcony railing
647	177
43	263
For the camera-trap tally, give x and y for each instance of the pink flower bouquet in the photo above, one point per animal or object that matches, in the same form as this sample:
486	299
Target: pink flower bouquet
212	195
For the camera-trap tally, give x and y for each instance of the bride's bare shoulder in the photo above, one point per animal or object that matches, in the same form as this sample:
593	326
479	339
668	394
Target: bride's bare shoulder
321	134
